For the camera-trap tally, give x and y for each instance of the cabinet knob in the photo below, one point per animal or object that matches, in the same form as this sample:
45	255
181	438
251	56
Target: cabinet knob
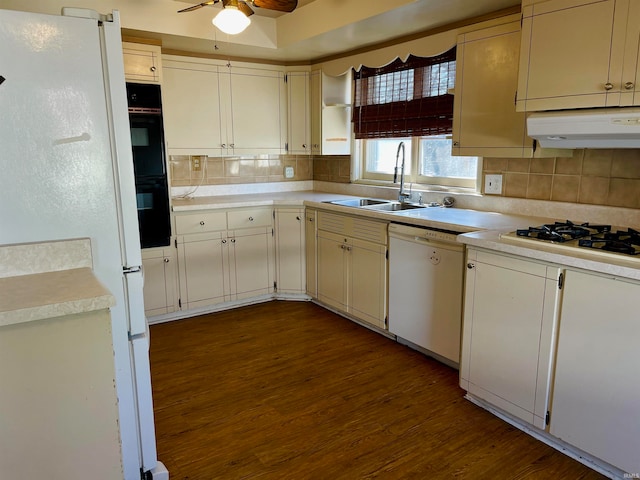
223	145
628	85
608	86
224	241
166	260
342	247
233	240
348	249
304	145
471	265
232	145
153	69
202	222
298	218
311	219
251	219
456	144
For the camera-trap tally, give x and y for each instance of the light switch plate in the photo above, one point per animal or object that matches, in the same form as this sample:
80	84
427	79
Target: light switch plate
288	172
493	184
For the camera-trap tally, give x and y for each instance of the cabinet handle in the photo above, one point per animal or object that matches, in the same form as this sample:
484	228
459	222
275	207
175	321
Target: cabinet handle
348	249
455	144
608	86
471	265
298	218
311	219
342	247
232	145
223	145
304	145
628	85
166	260
153	69
202	222
224	241
251	219
233	240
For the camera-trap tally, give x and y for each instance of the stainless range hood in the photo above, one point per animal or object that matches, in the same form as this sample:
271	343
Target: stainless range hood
591	128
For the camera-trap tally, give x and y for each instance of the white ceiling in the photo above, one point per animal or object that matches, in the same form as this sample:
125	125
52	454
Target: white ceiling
409	18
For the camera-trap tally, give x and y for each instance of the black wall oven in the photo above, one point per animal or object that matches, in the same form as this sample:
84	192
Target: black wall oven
149	163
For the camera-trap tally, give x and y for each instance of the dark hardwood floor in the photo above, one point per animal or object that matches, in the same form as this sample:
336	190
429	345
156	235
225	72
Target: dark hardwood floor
288	390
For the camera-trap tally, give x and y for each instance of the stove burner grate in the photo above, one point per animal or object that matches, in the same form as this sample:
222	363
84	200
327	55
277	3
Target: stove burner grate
562	231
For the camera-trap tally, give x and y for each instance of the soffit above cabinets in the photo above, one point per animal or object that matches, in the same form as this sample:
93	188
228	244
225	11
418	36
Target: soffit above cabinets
316	29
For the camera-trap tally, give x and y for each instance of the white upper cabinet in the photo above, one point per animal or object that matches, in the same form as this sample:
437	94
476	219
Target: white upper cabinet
330	114
215	108
579	54
299	114
142	63
191	112
485	122
256	120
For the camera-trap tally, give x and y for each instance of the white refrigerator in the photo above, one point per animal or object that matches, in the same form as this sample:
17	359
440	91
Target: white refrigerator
66	171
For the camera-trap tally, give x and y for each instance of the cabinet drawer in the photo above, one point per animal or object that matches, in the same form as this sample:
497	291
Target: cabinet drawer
249	218
201	222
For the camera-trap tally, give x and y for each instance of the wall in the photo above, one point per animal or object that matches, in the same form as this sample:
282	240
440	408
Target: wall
598	177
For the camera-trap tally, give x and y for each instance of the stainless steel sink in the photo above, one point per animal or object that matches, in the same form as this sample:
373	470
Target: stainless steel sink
360	202
395	207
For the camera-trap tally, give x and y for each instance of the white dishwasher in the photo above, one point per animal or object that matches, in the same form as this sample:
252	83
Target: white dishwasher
426	269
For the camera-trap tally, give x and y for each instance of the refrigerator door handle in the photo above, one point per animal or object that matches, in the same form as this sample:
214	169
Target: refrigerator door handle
133	282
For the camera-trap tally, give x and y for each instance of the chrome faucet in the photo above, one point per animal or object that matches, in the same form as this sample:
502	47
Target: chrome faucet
402	195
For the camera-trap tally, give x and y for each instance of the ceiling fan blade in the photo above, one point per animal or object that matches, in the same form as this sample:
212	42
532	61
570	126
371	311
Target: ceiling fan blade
278	5
196	7
242	6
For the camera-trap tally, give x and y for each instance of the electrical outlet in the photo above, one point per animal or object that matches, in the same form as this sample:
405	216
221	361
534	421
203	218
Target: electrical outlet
196	163
493	184
288	172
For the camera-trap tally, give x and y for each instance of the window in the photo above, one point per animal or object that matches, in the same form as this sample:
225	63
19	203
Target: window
408	102
428	161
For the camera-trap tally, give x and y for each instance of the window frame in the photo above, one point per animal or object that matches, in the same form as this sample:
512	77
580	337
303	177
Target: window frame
414	177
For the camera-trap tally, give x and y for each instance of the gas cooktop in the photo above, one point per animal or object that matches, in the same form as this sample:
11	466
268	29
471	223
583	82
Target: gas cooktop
581	239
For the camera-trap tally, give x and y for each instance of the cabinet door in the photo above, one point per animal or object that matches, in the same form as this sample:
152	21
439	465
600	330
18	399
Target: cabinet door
203	281
367	287
509	317
316	111
566	54
191	111
332	269
290	250
596	391
257	117
250	263
141	63
299	117
311	248
160	276
485	121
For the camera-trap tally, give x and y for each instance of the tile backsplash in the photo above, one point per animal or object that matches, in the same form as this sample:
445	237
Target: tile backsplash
189	170
599	177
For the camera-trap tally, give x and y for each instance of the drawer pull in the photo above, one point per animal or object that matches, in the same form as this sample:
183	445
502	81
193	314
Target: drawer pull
153	69
251	219
202	222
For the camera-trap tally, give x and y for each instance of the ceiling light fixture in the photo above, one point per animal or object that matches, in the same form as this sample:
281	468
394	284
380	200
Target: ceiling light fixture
231	20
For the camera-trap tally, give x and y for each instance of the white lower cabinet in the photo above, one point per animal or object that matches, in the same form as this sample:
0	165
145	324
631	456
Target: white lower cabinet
596	394
290	250
225	256
352	266
160	285
311	251
510	313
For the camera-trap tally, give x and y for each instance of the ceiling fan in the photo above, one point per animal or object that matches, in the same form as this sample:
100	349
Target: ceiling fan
243	5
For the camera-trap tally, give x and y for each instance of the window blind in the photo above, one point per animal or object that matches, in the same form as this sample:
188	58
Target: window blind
405	99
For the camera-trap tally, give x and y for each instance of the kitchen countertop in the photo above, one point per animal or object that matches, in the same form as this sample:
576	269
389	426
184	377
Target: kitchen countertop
454	219
39	296
48	279
614	265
